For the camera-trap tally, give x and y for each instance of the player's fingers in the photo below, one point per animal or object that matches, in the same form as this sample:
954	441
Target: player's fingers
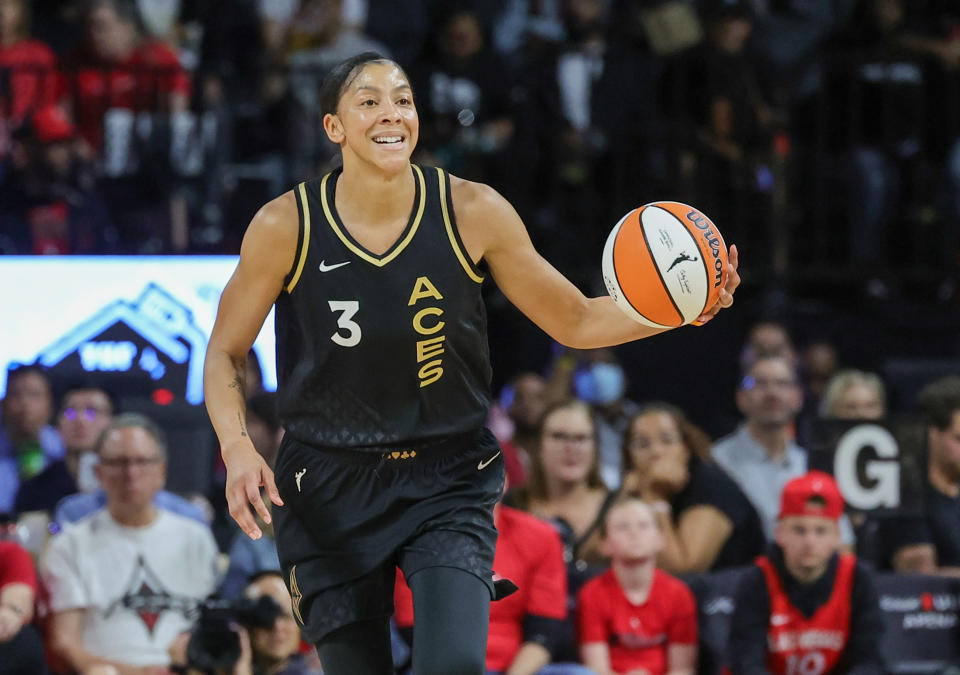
253	495
239	509
270	483
733	257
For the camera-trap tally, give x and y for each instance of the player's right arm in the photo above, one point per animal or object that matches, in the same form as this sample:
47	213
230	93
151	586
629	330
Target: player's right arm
266	257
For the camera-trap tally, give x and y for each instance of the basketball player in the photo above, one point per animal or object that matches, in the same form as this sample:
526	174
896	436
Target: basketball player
383	375
805	609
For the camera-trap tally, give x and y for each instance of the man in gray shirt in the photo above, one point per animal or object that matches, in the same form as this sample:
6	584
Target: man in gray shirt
761	455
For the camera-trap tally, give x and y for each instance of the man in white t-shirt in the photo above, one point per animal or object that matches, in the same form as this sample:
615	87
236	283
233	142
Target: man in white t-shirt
125	581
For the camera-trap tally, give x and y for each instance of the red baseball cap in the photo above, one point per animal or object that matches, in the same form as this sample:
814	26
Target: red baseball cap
51	124
797	493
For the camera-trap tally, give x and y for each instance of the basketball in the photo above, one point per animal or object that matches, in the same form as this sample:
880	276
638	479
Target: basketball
664	264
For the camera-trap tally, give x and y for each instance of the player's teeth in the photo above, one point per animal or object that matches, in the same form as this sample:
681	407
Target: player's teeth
388	139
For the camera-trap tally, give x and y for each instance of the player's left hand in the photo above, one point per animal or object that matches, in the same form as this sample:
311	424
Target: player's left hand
726	293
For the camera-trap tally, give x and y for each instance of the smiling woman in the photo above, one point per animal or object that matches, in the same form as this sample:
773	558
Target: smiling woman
383	380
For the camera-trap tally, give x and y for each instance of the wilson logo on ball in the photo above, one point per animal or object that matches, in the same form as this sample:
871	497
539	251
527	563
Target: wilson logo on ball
664	264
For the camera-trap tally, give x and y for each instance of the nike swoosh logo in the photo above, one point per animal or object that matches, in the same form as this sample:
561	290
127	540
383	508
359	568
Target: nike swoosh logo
483	464
324	267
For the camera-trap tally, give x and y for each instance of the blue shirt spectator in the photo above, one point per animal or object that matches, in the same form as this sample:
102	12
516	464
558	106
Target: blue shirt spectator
77	507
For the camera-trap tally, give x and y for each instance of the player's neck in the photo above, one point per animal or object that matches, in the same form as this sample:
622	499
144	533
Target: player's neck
635	576
774	439
381	197
942	481
133	516
566	491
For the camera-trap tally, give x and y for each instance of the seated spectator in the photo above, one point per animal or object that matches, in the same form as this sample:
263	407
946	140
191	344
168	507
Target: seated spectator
28	444
275	650
931	543
705	520
125	582
635	618
115	69
818	363
597	377
27	67
515	421
564	486
466	114
85	412
854	395
114	80
805	607
21	648
524	626
49	198
761	456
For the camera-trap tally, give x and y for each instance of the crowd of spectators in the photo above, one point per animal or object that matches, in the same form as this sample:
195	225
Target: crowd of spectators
135	126
596	541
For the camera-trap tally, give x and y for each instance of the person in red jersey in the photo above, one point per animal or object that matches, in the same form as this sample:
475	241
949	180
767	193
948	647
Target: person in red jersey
805	609
635	619
525	626
27	70
114	68
21	647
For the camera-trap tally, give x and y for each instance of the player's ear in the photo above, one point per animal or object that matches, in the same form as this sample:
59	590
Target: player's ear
334	128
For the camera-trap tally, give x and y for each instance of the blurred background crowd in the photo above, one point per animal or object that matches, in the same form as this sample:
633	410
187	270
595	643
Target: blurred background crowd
822	136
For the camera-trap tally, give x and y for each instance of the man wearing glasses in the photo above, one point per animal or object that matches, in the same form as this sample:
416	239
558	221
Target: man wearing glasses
85	411
125	581
69	489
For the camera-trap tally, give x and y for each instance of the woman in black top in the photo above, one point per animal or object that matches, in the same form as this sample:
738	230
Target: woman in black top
707	522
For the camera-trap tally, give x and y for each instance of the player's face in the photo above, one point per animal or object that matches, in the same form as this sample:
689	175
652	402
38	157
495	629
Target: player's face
85	414
945	447
132	468
770	395
280	641
567	446
655	437
376	119
632	533
859	401
807	543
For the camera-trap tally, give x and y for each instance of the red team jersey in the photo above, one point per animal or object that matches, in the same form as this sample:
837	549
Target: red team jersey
797	645
28	82
638	635
141	83
530	554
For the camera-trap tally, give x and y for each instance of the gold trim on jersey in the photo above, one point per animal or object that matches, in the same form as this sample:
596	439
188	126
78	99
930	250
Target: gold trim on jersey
305	209
295	595
461	254
374	260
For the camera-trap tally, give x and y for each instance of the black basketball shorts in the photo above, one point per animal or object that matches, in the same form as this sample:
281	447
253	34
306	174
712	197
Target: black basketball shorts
350	517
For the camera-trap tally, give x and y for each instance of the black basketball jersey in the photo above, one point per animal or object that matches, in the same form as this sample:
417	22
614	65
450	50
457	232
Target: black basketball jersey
381	349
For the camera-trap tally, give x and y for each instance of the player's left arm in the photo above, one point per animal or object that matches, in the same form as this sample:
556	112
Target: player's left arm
492	230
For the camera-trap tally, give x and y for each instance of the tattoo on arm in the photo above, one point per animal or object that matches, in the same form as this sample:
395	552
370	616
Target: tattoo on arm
236	384
243	429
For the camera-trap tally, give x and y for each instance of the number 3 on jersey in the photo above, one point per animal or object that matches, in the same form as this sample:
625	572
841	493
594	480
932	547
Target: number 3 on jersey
346	323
